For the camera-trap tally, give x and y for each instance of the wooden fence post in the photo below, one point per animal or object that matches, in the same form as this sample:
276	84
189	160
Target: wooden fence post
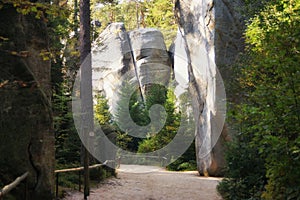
79	181
56	188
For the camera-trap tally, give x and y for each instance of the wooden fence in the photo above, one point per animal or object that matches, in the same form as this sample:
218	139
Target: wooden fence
79	170
6	189
140	160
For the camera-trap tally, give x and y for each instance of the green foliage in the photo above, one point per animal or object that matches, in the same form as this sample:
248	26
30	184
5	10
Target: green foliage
138	114
125	12
106	1
275	81
103	117
124	140
252	7
39	10
67	141
186	162
175	115
158	140
101	110
245	174
134	14
160	15
269	117
70	179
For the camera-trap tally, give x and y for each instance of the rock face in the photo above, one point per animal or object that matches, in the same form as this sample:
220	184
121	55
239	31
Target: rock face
228	40
27	139
119	55
210	34
152	59
111	59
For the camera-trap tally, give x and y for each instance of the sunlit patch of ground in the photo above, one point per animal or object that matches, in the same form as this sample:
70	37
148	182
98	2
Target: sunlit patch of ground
153	183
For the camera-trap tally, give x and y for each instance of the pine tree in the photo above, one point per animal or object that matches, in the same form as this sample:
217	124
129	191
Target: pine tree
158	140
130	109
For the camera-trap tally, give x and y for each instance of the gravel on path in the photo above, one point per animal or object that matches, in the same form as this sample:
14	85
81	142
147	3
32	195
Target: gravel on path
153	183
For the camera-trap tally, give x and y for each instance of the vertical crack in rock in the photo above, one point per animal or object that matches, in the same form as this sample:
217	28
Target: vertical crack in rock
135	66
34	167
140	53
209	9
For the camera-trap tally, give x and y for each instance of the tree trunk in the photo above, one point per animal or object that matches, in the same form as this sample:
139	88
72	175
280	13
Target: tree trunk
86	86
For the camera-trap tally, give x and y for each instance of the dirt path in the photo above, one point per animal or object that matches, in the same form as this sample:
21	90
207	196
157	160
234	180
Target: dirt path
152	183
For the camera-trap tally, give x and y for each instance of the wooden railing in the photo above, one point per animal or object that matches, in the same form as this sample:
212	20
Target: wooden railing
6	189
77	169
161	159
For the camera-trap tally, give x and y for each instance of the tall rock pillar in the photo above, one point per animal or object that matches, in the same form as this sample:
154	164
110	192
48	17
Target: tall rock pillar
210	34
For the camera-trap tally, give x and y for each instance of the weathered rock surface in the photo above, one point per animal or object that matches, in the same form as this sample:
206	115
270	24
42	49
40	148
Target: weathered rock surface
125	62
150	54
119	55
111	59
228	40
27	139
210	33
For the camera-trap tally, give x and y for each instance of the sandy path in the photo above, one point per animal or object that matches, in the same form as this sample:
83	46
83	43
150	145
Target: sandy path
153	183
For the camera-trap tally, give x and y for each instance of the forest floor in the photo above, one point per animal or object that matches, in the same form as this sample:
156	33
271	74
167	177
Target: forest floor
136	182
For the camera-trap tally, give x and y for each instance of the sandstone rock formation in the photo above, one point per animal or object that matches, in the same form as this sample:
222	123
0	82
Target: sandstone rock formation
26	130
111	59
134	60
210	33
119	55
209	38
152	59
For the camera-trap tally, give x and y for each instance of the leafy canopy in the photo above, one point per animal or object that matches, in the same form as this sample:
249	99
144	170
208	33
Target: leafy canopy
269	116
